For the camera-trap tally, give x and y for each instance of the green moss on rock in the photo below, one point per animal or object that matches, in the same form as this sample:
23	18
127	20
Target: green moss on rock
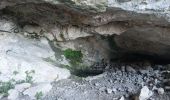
74	56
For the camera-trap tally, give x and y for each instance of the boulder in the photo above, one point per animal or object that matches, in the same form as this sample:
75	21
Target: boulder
145	93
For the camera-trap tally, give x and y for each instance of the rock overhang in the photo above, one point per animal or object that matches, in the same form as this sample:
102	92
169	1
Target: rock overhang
68	15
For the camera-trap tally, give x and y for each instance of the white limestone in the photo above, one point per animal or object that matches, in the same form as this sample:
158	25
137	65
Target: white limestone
145	93
43	88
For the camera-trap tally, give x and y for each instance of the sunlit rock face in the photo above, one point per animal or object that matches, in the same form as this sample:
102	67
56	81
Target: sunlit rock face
160	8
24	62
20	55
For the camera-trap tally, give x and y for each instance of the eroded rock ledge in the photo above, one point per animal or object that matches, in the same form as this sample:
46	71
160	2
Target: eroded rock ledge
90	31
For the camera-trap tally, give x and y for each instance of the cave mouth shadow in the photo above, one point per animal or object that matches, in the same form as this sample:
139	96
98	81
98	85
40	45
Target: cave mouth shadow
135	57
87	73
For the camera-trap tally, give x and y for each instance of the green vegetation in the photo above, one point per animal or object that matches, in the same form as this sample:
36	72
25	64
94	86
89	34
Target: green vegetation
77	67
19	81
75	59
15	72
74	56
29	78
38	95
5	87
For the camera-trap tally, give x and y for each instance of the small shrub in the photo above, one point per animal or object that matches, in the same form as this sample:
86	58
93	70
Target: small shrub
29	78
75	57
20	81
38	95
5	87
15	72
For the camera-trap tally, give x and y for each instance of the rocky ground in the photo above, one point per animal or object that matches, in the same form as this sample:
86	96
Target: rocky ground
121	83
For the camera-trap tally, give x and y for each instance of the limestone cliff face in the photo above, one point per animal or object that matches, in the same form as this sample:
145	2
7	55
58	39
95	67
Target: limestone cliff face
140	27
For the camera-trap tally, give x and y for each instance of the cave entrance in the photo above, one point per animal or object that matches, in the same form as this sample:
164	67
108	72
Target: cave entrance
135	57
139	60
86	73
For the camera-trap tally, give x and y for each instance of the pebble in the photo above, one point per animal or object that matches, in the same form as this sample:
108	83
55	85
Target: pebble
122	98
156	81
154	88
114	90
110	81
120	89
160	91
109	91
130	69
96	84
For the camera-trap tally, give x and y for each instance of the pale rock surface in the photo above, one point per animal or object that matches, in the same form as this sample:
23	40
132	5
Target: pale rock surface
145	93
160	8
6	25
22	87
21	55
44	88
13	94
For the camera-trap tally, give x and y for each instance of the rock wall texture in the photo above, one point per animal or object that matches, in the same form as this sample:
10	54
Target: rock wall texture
34	35
140	26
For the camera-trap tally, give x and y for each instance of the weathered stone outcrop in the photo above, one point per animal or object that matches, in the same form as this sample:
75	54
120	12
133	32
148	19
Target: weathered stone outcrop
71	22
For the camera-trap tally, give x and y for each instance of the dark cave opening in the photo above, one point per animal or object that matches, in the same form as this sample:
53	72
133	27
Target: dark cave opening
136	57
